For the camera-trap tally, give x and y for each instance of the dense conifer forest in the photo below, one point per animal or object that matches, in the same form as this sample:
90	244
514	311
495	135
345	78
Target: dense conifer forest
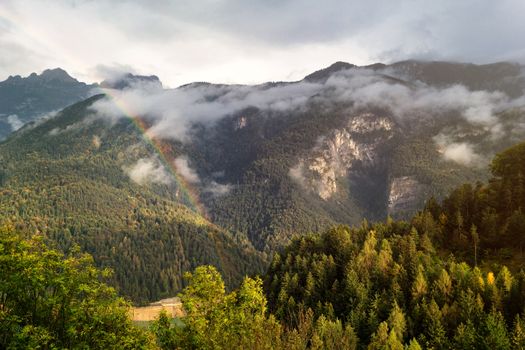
73	190
437	281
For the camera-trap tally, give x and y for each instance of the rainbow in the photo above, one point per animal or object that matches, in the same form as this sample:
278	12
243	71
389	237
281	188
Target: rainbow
188	193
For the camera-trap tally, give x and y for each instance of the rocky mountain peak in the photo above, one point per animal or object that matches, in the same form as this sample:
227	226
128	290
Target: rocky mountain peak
57	74
24	99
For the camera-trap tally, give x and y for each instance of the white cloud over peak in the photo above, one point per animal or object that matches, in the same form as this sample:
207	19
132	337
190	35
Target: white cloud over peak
172	112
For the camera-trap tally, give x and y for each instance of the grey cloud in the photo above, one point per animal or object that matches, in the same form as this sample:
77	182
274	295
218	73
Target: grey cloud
18	59
217	189
111	72
296	173
189	174
172	112
14	122
367	88
251	40
183	169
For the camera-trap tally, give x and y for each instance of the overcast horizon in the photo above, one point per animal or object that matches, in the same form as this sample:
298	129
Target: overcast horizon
239	42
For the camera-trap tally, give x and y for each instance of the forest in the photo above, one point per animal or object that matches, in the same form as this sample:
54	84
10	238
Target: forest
436	281
73	191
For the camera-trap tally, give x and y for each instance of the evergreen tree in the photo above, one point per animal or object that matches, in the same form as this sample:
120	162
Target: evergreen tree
495	334
518	334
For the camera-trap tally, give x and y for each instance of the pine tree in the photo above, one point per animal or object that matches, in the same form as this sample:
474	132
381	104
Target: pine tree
393	343
434	329
397	322
413	345
495	332
379	339
465	337
443	287
419	286
518	335
475	241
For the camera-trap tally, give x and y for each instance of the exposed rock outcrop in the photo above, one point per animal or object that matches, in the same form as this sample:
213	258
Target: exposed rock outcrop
335	153
404	195
240	123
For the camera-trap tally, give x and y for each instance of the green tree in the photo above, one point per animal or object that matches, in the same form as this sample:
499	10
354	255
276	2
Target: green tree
397	322
518	335
495	333
52	300
435	331
383	340
419	287
466	337
217	320
413	345
516	228
333	335
475	241
379	339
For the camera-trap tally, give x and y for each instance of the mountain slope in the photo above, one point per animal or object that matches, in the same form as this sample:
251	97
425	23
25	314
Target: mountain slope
366	144
503	76
67	178
25	99
206	173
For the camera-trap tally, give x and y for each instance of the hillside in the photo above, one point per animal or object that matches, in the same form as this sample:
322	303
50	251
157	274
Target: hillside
348	143
228	174
65	178
484	223
388	285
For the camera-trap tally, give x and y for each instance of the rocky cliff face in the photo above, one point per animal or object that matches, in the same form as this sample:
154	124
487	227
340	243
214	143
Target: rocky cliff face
404	195
240	123
333	157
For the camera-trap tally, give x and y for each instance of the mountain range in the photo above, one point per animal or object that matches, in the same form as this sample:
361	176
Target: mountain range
25	99
153	181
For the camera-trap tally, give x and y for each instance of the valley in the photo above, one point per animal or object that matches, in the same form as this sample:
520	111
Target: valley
332	188
262	175
235	187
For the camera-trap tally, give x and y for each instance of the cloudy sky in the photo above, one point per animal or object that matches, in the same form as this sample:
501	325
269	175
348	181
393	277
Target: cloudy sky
249	41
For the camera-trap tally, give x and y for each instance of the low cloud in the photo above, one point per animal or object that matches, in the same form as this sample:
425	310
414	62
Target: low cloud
148	170
184	170
190	175
217	189
414	99
296	174
96	141
172	112
14	122
69	128
112	72
460	152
